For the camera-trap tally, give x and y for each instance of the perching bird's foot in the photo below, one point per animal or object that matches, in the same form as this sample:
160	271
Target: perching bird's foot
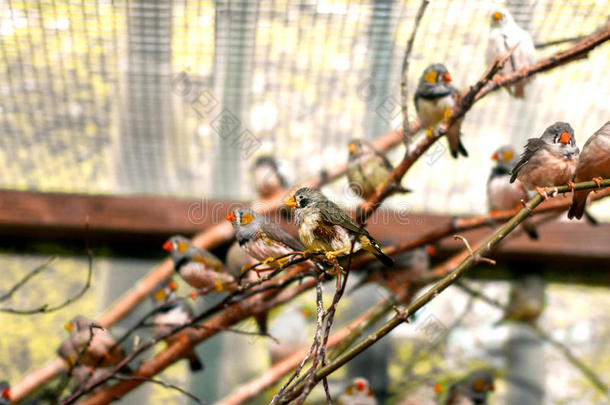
524	70
430	131
448	113
598	181
498	79
332	255
268	260
542	192
494	213
218	285
571	185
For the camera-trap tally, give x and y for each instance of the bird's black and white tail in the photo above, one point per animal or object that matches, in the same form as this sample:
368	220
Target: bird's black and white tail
194	363
376	250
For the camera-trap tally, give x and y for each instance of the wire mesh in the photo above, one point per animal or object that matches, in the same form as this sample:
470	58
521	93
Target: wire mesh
180	97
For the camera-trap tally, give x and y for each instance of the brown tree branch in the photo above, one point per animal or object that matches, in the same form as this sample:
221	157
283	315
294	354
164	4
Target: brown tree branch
439	286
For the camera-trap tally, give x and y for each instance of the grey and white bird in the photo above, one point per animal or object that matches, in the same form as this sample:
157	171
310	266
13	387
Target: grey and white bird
549	160
472	390
503	35
261	237
198	267
170	313
501	193
324	226
90	344
267	177
593	164
368	169
358	392
435	99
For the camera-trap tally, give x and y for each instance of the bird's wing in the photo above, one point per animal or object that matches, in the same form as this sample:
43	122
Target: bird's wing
496	46
276	232
207	258
333	214
533	145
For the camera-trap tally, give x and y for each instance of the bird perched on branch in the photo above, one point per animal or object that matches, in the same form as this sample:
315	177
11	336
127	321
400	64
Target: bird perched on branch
91	345
472	390
172	312
549	160
501	193
323	226
267	177
261	237
503	35
358	392
198	267
593	164
368	169
435	99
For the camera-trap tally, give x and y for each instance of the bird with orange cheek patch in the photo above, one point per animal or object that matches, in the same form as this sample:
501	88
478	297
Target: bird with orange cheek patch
472	390
549	160
90	344
358	393
435	99
593	164
172	312
325	227
198	267
501	193
262	238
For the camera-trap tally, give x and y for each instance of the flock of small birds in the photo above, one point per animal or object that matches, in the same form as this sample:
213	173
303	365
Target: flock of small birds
552	159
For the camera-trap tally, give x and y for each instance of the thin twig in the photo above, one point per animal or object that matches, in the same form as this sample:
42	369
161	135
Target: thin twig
439	286
404	83
595	380
161	383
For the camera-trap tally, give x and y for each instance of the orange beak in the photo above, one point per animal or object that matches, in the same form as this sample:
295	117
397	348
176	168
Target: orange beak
431	250
6	393
230	217
290	202
447	77
167	246
494	156
564	138
172	286
352	148
438	388
68	327
497	16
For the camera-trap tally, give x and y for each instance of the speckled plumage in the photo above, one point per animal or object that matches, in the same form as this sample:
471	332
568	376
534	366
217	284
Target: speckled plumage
324	226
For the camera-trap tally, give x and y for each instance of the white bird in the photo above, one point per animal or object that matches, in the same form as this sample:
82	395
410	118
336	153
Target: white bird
503	35
358	393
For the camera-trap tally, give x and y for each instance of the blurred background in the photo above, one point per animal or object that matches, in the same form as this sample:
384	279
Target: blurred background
167	103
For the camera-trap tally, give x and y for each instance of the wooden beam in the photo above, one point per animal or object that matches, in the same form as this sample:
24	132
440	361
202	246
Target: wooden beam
137	226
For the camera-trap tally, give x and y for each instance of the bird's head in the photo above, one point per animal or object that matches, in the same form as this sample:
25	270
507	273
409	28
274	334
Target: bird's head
501	18
505	157
355	147
164	291
304	197
78	323
360	387
559	137
481	382
436	74
243	218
